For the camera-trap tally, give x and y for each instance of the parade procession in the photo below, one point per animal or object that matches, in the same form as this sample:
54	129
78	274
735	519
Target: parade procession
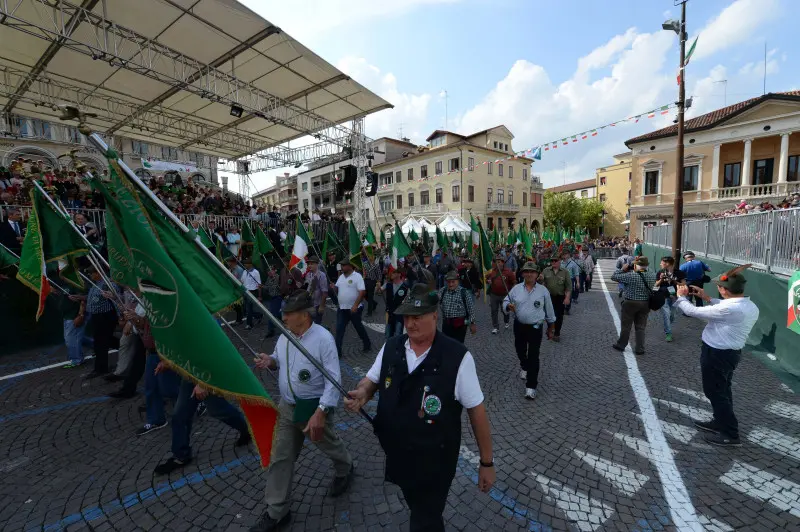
195	207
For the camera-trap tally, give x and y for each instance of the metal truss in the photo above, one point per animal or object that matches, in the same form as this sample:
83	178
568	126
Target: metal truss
124	48
359	146
279	157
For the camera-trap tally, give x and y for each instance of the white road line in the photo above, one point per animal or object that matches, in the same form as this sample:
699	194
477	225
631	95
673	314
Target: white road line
780	408
682	433
379	327
626	481
714	525
696	414
587	513
763	486
680	504
44	368
776	441
700	396
786	388
642	447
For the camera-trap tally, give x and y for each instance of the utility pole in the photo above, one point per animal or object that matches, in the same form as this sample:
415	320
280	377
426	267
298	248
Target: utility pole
677	229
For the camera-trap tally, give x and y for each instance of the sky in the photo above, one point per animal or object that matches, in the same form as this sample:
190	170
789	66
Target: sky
546	70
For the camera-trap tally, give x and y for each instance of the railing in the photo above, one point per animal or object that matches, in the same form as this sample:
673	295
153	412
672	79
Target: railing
432	208
327	187
769	240
502	207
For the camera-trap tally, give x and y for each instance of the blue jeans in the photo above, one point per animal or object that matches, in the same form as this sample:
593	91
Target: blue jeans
250	308
582	282
343	317
157	388
183	415
73	339
575	289
274	307
394	327
668	314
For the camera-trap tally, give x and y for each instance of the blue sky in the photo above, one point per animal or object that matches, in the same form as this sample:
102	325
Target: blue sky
544	69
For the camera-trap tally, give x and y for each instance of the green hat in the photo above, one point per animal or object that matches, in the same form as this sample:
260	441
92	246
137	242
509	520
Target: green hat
733	279
420	300
312	258
345	261
452	275
530	266
298	300
641	260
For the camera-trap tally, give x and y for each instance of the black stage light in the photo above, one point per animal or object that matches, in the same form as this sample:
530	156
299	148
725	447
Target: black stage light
236	110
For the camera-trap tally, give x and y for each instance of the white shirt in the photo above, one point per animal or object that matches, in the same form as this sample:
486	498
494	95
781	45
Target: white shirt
532	306
307	381
349	287
729	320
251	279
468	389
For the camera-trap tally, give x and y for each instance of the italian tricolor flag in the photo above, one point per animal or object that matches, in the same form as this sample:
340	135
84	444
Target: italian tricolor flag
400	248
300	249
476	235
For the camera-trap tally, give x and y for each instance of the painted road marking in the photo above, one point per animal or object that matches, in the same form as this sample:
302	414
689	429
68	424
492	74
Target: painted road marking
680	505
764	486
780	408
10	465
714	525
776	441
682	433
697	414
44	368
625	480
587	513
786	388
637	444
378	327
700	396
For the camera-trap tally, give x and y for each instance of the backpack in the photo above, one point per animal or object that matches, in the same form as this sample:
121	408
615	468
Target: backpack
657	299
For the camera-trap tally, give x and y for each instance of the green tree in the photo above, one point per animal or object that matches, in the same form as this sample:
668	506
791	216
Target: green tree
591	213
561	210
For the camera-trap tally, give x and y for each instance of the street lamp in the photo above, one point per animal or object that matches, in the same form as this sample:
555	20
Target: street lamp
672	25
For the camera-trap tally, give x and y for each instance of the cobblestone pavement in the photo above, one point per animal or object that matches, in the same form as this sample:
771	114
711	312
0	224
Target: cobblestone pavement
608	445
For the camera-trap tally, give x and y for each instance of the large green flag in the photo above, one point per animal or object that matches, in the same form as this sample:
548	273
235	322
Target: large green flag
425	238
484	251
370	237
223	253
413	236
204	238
383	239
400	247
247	233
186	336
32	266
329	245
119	255
261	247
354	246
440	242
512	238
7	258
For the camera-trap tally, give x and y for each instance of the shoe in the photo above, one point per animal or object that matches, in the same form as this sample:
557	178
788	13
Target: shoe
201	408
71	365
556	338
268	524
669	337
113	377
340	484
244	439
149	428
122	394
248	327
707	426
94	374
507	325
530	393
523	374
618	348
494	331
722	440
171	465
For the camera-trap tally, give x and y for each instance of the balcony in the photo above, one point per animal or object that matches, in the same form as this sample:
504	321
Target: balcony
325	187
386	187
433	208
501	207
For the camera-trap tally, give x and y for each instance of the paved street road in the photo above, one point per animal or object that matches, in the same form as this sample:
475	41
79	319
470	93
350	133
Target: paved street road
608	445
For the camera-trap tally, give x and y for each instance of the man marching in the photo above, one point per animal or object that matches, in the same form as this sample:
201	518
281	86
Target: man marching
458	308
532	306
425	379
498	282
558	283
306	409
730	320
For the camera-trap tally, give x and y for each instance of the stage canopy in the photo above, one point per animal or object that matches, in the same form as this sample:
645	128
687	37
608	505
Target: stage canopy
169	72
452	223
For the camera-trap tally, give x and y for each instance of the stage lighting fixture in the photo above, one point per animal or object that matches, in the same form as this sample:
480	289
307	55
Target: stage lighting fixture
236	110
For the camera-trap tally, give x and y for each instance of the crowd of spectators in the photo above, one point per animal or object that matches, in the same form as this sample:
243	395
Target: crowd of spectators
789	202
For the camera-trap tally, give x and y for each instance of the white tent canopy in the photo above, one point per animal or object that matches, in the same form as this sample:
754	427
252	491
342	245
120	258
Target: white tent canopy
410	224
427	225
452	223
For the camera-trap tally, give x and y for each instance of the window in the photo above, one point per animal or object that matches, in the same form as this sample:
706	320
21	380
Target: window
793	173
602	197
423	171
510	172
471	163
139	147
762	171
495	144
385	179
584	193
387	204
690	175
453	164
170	153
73	135
500	197
524	174
305	204
399	201
510	197
439	195
437	141
489	167
524	199
410	174
397	176
500	169
629	195
305	187
505	147
499	224
629	176
651	182
455	193
488	195
471	193
438	168
38	128
410	199
602	180
732	176
425	197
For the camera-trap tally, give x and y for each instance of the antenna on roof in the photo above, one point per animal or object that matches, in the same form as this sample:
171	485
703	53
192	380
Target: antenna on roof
765	68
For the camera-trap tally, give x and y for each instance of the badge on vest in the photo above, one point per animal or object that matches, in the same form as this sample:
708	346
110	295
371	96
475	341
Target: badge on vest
387	382
350	281
401	293
433	405
537	304
304	375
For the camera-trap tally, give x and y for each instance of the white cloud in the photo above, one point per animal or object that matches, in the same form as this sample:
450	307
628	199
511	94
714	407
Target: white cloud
410	110
757	69
735	24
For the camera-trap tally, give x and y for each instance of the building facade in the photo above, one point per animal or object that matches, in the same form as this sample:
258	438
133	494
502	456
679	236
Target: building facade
580	189
613	185
461	174
749	151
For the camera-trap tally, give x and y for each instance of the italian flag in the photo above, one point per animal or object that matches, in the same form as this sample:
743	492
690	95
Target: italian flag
476	235
400	248
300	249
793	312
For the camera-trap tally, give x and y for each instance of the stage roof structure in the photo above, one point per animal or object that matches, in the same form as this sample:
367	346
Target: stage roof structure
175	72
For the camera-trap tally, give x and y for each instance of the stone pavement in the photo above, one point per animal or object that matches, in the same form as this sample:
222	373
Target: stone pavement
608	445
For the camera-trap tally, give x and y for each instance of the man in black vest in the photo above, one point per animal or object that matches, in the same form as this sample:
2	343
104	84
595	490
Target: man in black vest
425	379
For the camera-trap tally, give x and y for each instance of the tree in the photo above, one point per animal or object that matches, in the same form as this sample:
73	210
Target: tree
591	213
563	210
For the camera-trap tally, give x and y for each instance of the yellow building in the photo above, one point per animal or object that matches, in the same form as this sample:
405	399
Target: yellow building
746	151
459	174
614	190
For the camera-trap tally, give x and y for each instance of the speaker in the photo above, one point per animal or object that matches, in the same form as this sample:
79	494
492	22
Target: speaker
349	177
372	184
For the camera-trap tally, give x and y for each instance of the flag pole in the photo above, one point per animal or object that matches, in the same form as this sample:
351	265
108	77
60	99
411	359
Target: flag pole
17	267
239	336
313	245
100	144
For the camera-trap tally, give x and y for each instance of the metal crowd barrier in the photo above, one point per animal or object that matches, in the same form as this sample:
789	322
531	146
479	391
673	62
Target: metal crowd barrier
769	240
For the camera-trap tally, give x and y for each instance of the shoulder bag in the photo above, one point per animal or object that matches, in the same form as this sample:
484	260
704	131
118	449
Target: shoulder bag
657	299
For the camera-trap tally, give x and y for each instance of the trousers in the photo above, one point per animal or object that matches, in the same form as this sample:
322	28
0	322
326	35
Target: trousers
369	285
427	506
288	444
345	316
457	333
495	303
73	339
634	314
528	342
125	354
394	325
137	365
104	325
250	309
716	367
558	308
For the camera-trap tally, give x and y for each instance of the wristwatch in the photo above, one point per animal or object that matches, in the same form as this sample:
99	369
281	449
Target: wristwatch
325	409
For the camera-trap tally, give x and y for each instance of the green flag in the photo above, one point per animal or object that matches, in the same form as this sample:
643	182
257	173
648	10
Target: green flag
247	233
440	242
370	237
32	266
223	253
793	313
484	250
476	239
204	238
400	247
119	255
186	336
383	239
354	246
512	238
413	236
261	247
7	258
425	238
329	245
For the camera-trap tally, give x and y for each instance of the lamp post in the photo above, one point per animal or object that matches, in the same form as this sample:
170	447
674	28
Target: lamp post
679	27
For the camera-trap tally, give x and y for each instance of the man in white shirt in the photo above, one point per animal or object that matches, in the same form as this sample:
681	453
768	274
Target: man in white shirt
305	409
251	279
425	379
350	291
730	321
